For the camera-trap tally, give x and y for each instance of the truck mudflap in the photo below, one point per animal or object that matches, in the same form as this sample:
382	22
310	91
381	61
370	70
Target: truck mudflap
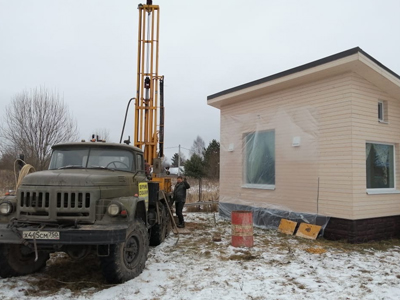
22	233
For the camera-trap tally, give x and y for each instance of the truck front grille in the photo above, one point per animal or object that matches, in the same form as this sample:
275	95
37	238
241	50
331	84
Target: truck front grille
35	199
73	200
57	205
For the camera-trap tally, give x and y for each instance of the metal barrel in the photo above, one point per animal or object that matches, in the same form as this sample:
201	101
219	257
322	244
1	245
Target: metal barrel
242	228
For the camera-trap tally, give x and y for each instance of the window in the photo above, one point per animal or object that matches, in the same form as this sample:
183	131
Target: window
380	111
111	158
139	162
92	158
380	166
260	159
70	157
383	112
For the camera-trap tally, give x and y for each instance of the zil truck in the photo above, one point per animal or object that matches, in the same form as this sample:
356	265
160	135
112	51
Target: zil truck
95	197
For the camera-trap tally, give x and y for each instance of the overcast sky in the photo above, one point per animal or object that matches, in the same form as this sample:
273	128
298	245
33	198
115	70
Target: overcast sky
86	50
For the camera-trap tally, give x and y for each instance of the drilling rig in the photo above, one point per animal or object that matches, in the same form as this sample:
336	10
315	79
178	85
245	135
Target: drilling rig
96	197
149	100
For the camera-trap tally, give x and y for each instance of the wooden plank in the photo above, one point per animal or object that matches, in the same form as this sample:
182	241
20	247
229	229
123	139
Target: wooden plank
287	226
308	231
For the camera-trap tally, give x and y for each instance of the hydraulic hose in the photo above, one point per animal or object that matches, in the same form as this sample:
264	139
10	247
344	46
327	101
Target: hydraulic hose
126	114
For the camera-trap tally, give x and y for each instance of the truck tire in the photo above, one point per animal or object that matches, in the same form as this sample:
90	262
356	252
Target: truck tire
18	260
127	260
160	230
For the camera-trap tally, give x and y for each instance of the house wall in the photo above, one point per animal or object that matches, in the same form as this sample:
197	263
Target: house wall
320	168
365	127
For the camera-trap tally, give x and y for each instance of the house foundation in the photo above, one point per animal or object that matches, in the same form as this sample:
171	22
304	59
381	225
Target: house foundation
365	230
352	231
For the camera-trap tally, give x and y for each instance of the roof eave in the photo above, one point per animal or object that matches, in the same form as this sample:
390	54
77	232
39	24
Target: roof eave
353	60
311	74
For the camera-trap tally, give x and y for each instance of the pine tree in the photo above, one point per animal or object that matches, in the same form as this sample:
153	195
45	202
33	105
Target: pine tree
211	160
194	167
175	160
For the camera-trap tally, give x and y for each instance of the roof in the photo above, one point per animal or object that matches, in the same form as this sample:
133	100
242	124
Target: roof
354	59
97	144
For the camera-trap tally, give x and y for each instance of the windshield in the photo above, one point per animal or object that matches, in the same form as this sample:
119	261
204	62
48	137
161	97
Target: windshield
92	158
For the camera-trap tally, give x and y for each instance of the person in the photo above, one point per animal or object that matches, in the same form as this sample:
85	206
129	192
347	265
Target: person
147	170
179	197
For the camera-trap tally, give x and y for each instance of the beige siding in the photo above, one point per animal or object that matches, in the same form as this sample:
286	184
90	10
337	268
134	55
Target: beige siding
367	128
320	113
334	117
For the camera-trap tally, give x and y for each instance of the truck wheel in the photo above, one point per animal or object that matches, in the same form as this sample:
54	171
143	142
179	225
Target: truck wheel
160	231
18	260
127	260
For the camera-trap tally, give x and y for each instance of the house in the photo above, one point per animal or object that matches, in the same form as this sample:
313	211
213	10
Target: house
317	143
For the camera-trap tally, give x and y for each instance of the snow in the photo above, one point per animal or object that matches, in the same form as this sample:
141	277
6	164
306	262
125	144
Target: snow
277	267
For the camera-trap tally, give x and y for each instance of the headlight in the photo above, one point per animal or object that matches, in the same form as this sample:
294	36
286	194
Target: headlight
113	209
6	208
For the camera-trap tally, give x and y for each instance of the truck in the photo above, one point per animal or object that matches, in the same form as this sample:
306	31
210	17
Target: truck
98	197
95	198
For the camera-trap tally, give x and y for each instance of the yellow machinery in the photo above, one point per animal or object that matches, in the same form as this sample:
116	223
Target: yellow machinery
149	101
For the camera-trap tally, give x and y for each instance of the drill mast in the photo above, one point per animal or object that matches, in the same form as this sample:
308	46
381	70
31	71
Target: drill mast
147	132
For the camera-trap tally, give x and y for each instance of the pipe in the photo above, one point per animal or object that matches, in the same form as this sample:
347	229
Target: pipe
126	114
161	132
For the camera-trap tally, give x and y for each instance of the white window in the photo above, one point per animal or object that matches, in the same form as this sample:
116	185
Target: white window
383	112
380	166
380	111
259	169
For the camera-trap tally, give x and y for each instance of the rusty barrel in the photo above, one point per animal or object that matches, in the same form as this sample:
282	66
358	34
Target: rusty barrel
242	228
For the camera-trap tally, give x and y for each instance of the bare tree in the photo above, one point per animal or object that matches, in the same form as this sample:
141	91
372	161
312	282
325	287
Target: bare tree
102	133
33	122
198	147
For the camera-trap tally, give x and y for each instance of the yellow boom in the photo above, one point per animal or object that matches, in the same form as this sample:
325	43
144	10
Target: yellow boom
147	130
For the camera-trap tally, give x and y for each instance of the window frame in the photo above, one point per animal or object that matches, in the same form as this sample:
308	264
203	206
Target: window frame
383	112
86	159
139	157
393	190
262	186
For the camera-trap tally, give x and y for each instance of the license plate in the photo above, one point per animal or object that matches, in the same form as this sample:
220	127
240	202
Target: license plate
41	235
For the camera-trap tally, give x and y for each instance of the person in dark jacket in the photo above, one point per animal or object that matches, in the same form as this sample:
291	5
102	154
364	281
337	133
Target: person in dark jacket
179	197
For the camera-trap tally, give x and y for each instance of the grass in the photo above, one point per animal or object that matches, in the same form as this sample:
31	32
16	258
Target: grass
243	255
209	192
203	208
366	248
320	245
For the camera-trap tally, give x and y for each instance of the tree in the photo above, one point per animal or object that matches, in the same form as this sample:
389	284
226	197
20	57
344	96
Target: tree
102	133
7	157
198	147
194	167
33	122
175	160
211	160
